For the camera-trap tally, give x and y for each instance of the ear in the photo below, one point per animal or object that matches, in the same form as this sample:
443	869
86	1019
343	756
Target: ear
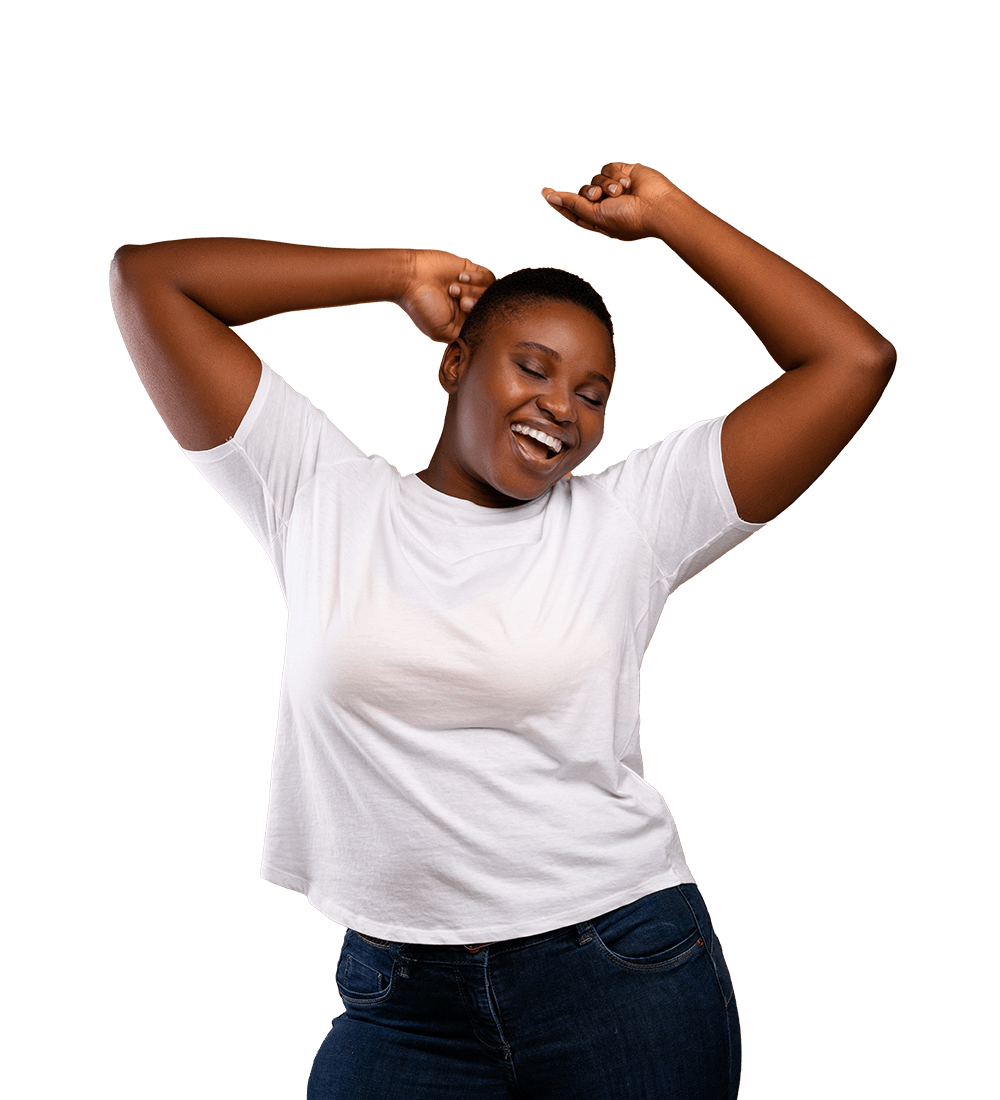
454	364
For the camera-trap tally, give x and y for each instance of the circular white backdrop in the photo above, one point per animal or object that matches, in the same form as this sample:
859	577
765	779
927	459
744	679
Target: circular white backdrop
813	707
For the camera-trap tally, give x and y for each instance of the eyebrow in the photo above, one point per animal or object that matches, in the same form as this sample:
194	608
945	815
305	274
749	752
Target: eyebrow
552	353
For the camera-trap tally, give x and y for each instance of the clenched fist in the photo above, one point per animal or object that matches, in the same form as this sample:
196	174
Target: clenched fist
617	202
440	290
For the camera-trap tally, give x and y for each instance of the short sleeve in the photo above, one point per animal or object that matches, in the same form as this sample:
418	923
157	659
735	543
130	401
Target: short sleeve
677	496
279	445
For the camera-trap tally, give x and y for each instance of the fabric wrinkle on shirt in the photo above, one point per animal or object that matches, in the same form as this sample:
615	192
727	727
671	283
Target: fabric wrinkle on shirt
457	757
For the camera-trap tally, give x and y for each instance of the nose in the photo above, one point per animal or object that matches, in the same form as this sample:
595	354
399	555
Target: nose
558	403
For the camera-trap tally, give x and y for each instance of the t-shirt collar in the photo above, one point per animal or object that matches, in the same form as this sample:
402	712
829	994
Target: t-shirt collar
448	509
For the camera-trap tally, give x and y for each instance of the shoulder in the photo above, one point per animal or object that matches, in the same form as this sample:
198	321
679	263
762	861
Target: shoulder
688	458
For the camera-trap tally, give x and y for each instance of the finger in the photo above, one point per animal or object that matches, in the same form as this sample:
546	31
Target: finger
476	275
467	292
561	204
601	186
467	297
618	170
574	207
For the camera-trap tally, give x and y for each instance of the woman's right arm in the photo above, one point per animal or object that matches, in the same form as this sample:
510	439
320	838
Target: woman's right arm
176	303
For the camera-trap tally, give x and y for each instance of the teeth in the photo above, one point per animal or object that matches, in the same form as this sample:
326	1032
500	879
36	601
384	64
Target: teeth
549	441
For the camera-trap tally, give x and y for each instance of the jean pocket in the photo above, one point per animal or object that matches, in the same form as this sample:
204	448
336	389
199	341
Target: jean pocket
656	932
365	971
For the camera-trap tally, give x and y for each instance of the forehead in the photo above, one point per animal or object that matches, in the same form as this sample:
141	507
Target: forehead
560	331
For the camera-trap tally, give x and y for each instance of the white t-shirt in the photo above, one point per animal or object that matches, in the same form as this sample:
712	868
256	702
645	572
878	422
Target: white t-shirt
457	756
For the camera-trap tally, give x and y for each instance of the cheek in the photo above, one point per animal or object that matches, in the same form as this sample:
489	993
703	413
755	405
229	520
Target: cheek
595	433
479	429
483	407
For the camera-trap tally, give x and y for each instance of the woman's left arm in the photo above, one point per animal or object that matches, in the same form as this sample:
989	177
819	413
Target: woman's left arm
835	364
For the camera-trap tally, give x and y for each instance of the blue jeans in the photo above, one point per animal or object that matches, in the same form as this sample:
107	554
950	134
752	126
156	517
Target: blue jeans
636	1004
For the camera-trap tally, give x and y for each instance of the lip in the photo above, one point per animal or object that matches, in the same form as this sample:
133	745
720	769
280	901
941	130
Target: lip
529	458
548	428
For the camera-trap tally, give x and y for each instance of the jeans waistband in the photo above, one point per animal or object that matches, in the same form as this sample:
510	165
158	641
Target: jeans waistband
428	951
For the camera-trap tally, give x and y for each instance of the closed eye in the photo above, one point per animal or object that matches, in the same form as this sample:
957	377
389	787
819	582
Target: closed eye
594	402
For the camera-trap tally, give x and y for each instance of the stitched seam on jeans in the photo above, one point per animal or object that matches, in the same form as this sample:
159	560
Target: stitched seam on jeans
384	944
361	999
711	957
621	960
467	1005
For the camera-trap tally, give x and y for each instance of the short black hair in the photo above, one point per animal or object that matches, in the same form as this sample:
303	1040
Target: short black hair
503	298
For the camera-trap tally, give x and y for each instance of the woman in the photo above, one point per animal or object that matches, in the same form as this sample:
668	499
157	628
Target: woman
457	777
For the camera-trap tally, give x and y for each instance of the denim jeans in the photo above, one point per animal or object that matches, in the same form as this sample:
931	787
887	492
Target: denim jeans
636	1004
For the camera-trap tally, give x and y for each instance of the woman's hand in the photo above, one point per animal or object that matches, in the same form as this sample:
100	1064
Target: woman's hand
440	292
618	201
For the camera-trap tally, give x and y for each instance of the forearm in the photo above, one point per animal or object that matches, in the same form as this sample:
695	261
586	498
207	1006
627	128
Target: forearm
797	319
239	280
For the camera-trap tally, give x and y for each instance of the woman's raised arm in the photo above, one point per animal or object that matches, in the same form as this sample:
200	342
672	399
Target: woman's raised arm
836	365
176	303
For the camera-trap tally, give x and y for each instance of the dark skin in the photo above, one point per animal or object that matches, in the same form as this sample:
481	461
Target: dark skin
177	303
835	364
548	368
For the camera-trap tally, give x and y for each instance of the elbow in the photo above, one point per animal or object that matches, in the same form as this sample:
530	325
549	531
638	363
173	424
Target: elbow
879	358
120	264
124	262
886	358
874	358
130	269
121	252
868	355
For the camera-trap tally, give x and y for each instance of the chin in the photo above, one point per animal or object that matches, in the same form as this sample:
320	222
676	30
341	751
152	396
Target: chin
525	490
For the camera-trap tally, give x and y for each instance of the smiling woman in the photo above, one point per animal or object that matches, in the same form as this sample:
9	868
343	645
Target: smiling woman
457	778
526	398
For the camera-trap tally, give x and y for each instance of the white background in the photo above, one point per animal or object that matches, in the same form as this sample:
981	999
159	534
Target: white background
815	705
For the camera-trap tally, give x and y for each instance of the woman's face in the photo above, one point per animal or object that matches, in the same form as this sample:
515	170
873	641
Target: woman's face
546	370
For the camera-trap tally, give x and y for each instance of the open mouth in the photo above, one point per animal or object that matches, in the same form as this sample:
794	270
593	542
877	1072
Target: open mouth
537	444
